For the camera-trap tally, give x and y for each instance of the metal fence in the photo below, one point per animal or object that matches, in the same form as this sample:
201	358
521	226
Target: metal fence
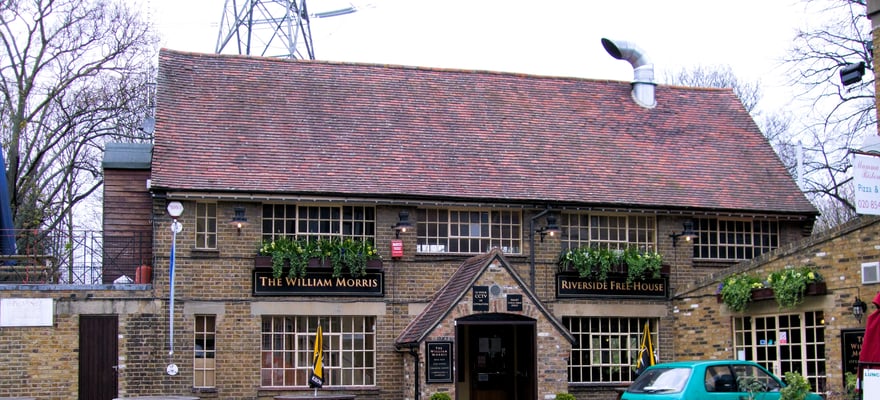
80	258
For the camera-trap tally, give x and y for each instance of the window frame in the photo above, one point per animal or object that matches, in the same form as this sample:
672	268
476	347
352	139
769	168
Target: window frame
318	221
461	230
810	360
205	230
204	336
344	363
582	360
581	230
737	240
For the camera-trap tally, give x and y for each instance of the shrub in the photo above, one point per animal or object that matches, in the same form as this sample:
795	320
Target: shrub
796	387
564	396
440	396
736	291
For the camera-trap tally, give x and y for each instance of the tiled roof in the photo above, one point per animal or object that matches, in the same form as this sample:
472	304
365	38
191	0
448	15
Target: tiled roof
258	125
455	288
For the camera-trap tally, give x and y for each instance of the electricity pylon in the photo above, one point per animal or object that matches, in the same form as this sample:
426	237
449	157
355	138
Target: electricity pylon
269	28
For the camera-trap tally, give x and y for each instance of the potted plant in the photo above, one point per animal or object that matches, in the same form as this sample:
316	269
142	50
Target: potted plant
286	251
641	264
588	261
342	255
736	290
790	284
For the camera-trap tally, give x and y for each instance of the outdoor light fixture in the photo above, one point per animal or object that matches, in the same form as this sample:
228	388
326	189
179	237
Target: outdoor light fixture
688	234
551	229
402	224
238	218
852	73
858	309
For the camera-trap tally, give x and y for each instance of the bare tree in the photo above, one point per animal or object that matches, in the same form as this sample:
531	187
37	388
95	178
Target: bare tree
74	74
837	117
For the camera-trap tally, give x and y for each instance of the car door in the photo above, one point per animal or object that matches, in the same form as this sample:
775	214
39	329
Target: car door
732	382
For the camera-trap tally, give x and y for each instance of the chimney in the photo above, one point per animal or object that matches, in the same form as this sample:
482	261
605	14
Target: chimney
643	69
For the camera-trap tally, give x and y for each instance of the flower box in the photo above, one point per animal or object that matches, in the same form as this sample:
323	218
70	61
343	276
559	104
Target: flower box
813	289
266	262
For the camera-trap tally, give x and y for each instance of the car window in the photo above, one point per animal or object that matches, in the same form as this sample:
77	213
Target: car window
720	378
661	380
756	378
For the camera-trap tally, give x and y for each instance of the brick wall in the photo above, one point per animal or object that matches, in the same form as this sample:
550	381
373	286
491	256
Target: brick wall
703	326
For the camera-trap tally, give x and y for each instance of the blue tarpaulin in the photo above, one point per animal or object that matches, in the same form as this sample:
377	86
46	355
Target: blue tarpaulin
7	229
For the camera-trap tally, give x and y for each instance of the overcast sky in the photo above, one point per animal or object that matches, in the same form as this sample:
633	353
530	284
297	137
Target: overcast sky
547	37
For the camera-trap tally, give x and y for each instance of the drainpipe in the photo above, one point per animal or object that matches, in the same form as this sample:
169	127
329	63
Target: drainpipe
415	355
643	69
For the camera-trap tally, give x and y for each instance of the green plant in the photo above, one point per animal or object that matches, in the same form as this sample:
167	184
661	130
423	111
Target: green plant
796	387
850	386
750	385
641	264
565	396
296	252
440	396
339	253
790	284
736	290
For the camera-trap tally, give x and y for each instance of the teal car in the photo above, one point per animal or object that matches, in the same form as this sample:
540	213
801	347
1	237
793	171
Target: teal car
706	380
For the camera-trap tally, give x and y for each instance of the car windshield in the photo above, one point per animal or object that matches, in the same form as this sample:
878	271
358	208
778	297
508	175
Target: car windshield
661	380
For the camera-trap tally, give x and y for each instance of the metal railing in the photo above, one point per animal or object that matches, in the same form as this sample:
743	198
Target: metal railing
81	258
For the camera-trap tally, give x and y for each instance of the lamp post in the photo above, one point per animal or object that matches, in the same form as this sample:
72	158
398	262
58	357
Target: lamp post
551	229
175	209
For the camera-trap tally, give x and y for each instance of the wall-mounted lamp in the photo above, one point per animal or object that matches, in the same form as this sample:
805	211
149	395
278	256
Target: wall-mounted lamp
687	234
858	309
238	218
551	229
402	224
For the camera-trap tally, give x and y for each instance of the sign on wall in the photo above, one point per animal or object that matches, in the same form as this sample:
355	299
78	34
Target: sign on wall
850	348
866	179
26	312
573	286
481	298
438	360
318	283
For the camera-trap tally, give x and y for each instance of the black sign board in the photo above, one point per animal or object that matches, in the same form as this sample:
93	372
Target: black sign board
318	283
850	348
514	302
481	298
572	285
438	357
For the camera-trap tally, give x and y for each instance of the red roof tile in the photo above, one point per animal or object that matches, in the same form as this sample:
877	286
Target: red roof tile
234	123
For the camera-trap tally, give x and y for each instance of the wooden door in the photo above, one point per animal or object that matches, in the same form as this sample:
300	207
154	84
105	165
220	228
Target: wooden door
98	357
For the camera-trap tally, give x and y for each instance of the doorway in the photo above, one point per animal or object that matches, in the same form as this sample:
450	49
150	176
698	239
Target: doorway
496	360
98	357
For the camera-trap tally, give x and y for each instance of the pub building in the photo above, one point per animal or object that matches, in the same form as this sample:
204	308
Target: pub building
483	193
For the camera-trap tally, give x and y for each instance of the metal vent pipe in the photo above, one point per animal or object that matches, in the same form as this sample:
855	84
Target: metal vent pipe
643	69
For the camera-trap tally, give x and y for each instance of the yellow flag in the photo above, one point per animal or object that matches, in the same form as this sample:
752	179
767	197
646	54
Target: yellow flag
646	351
316	379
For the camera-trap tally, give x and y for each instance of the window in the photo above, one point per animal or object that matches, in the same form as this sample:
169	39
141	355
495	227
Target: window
606	348
206	226
291	220
204	351
784	343
468	231
608	231
734	239
288	344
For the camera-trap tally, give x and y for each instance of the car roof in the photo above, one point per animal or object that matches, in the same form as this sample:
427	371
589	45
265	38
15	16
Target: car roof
696	363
